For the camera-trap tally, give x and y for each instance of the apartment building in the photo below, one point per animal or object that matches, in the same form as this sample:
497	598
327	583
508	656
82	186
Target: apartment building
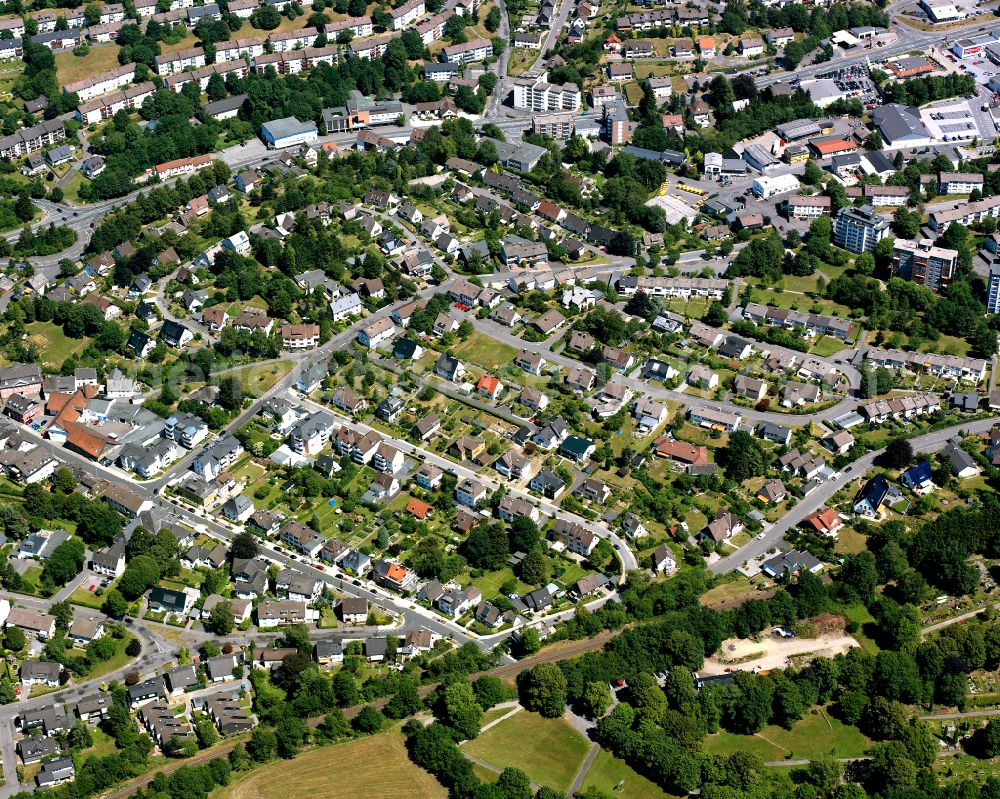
293	39
223	69
37	137
294	61
172	63
964	214
859	229
993	290
359	26
807	207
233	49
407	14
673	286
558	126
537	94
468	52
432	30
108	105
95	86
923	263
372	47
959	182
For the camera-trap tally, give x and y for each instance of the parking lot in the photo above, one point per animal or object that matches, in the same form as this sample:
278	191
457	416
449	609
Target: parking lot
979	67
958	121
854	82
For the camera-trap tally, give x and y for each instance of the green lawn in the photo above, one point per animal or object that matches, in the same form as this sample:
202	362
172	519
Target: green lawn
694	308
30	580
88	599
490	582
826	346
573	573
71	188
493	715
850	540
521	60
114	663
485	351
185	579
549	751
633	93
735	587
946	345
71	68
607	773
257	378
799	302
860	614
818	733
104	744
54	346
324	512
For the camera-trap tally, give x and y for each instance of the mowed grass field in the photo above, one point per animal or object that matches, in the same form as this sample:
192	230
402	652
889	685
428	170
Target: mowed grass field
818	733
549	751
608	772
375	768
485	351
71	68
258	378
54	346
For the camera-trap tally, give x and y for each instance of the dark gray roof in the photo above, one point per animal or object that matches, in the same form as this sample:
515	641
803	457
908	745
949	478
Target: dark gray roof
897	122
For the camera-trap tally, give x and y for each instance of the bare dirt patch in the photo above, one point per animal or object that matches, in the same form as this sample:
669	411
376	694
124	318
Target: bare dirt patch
774	652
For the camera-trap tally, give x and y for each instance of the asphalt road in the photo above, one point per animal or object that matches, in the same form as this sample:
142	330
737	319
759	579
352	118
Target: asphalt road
909	40
501	333
773	535
462	471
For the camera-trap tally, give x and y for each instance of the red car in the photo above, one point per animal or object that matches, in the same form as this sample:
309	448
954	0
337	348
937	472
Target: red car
462	306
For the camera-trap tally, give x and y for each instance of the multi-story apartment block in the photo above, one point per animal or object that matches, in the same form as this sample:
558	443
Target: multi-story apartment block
358	26
537	94
89	88
432	30
673	286
558	126
295	61
993	290
964	214
237	68
177	62
468	52
233	49
959	182
807	207
407	14
293	39
859	229
108	105
372	47
923	263
243	8
29	140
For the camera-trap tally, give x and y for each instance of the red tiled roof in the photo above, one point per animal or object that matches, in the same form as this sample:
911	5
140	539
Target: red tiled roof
488	383
84	440
418	508
681	451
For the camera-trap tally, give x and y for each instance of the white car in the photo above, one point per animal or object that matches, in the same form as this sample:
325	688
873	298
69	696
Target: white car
760	536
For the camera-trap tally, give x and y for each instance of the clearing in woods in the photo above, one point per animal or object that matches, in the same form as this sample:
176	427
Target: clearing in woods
343	771
771	652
